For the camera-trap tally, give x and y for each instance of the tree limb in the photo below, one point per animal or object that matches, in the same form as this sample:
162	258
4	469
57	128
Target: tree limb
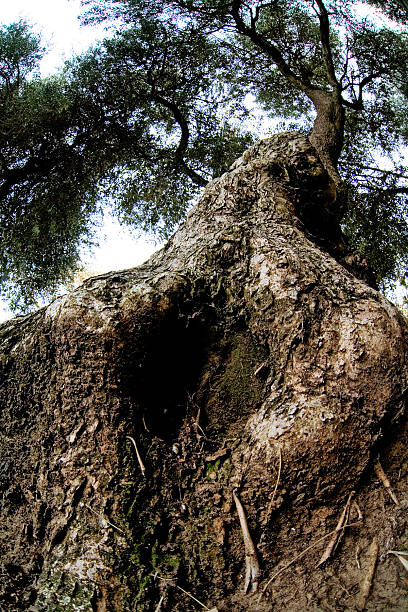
185	135
325	42
269	48
358	103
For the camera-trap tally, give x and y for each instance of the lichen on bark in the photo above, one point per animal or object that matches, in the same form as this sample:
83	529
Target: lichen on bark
244	338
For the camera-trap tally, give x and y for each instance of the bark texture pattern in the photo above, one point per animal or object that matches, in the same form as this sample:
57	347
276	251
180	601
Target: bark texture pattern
240	342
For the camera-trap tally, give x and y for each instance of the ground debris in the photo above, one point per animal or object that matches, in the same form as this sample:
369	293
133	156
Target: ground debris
367	581
383	478
251	558
339	532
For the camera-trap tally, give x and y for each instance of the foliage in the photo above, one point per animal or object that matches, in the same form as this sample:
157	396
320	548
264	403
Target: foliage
20	52
132	117
156	110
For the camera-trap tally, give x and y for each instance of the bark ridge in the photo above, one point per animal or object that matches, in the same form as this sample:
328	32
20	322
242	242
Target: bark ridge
244	340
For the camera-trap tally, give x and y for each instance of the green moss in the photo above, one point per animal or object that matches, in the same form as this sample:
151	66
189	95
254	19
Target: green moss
219	470
236	392
212	469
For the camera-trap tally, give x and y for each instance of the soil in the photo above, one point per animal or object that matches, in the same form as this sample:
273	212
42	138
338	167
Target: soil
293	542
337	584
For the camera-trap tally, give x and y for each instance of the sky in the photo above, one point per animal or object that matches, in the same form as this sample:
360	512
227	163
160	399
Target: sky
57	22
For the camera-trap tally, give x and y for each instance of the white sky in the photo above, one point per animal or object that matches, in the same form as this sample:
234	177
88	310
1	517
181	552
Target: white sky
57	21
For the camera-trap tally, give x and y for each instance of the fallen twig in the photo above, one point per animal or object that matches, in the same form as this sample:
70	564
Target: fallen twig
198	430
383	477
402	555
223	452
157	609
142	467
358	551
338	534
144	424
101	517
276	484
252	572
303	553
185	592
357	507
368	578
259	369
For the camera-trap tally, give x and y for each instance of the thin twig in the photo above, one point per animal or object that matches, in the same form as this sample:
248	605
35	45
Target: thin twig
181	589
338	534
251	559
142	467
276	484
358	551
401	555
100	516
260	368
144	424
368	578
357	507
383	477
157	609
304	552
197	425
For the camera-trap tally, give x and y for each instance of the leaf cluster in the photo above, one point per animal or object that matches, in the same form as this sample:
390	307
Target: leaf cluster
148	116
138	117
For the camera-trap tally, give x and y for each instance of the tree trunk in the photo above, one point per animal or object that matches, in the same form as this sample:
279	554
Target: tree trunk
254	375
328	136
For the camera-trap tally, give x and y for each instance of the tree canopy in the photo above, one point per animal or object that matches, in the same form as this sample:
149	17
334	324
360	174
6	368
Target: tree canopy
146	117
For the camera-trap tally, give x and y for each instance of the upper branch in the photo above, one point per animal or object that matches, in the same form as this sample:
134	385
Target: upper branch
325	42
185	135
269	48
358	102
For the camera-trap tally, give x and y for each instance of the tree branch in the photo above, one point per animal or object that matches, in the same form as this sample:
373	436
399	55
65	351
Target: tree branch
269	48
185	135
345	162
395	190
325	42
358	103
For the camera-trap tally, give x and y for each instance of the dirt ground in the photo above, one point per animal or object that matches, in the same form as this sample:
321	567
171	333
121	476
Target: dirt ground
361	574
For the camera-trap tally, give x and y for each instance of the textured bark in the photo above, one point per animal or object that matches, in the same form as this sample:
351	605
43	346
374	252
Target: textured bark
328	134
241	341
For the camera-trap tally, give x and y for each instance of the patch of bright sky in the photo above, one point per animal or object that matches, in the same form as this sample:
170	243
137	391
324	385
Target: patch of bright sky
57	22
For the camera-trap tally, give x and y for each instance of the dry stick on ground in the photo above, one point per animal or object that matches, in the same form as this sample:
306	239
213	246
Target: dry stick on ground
357	507
303	553
368	578
198	428
169	580
196	425
358	551
144	424
383	477
276	484
251	558
142	467
101	517
401	555
334	542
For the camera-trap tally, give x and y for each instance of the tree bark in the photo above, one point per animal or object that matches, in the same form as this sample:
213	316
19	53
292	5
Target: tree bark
328	131
243	340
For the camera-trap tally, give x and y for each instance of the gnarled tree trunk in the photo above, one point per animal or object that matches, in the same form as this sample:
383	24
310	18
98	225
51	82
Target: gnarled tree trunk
241	358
